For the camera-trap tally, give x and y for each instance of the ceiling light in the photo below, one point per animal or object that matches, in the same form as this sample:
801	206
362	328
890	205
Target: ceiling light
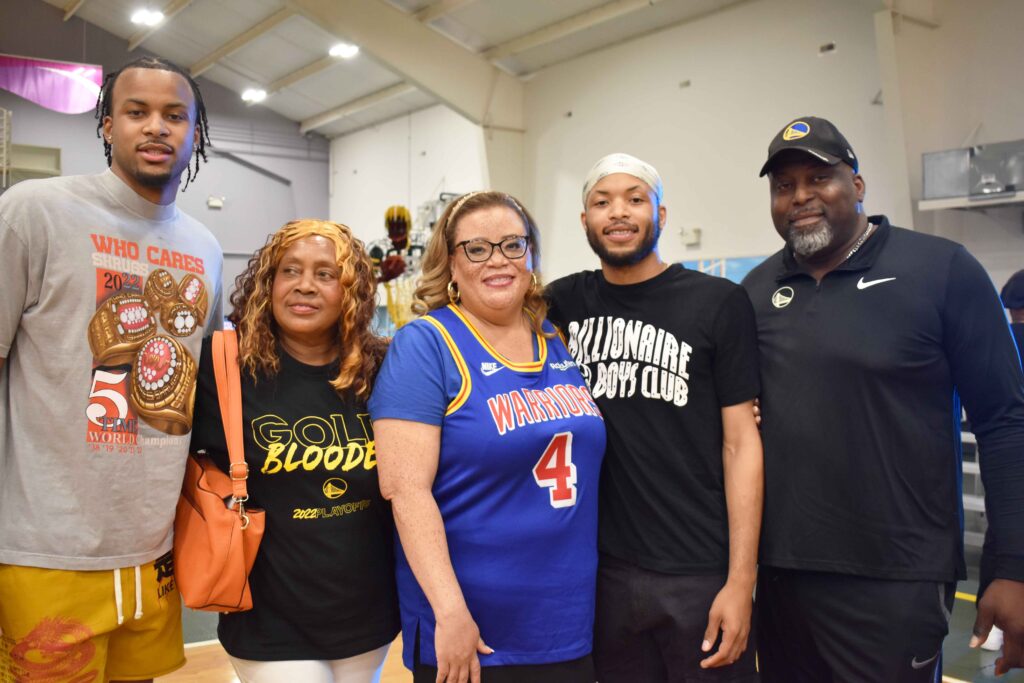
147	17
344	50
254	95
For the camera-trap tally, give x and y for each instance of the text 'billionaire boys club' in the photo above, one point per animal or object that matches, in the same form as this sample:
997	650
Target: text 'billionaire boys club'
618	356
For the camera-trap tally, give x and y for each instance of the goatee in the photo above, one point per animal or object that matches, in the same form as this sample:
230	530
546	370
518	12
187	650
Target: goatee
629	258
809	242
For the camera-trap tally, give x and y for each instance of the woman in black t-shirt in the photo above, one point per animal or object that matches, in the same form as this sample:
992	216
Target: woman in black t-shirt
324	602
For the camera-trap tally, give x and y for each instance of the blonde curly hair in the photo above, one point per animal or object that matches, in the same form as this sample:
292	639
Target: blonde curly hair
360	350
432	292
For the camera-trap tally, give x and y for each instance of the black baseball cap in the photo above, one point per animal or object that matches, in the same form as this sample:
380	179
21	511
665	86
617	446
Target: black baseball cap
815	136
1013	291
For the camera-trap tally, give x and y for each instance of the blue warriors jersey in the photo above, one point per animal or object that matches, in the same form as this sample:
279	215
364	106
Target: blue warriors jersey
516	484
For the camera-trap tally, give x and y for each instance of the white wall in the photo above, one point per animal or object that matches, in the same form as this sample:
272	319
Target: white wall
752	69
408	160
962	75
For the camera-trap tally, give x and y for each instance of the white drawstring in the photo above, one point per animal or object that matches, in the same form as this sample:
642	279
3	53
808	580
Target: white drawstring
138	592
119	598
118	603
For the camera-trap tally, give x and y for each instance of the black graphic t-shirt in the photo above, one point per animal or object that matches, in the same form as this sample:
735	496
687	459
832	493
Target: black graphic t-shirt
323	582
662	358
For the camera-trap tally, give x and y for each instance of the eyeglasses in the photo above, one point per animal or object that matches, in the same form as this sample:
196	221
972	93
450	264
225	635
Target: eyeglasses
479	250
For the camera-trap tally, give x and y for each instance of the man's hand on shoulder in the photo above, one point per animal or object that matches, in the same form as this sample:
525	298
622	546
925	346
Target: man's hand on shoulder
1002	605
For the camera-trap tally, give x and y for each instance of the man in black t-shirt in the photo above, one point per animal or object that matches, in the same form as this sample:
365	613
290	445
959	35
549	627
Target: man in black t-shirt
870	335
671	359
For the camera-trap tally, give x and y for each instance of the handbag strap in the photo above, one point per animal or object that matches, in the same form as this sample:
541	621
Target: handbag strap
229	395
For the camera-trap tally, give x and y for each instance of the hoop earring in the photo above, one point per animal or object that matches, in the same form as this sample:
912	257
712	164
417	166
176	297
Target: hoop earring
453	293
534	283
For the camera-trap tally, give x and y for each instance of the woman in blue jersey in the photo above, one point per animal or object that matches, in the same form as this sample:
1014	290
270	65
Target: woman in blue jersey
489	448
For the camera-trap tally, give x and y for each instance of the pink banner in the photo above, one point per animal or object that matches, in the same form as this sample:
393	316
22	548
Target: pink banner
60	86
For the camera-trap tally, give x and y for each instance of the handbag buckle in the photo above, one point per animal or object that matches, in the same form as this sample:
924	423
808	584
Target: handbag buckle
231	471
240	502
244	517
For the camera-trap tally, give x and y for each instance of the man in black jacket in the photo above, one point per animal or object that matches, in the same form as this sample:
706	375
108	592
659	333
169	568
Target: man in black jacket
869	336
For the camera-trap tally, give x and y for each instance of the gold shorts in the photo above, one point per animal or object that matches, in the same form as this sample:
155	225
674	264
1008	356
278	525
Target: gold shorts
89	626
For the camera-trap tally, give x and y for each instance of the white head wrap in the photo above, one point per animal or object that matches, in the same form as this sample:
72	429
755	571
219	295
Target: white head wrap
623	163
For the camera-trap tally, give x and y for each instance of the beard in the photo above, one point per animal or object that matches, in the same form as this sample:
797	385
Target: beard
651	232
809	242
160	179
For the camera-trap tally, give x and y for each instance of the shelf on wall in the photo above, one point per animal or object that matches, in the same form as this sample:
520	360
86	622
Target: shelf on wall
976	202
25	162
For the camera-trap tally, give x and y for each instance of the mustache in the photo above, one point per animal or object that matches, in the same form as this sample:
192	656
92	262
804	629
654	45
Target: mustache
155	143
804	213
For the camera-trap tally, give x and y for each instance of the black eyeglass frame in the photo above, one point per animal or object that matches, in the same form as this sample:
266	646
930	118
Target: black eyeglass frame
499	245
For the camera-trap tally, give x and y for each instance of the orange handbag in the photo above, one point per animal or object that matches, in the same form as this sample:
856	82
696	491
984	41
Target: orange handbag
215	536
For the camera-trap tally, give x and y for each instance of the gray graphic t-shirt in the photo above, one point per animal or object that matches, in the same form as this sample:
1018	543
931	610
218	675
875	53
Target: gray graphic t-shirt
106	299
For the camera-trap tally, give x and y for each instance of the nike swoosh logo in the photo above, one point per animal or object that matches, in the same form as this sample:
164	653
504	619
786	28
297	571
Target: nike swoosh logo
920	665
488	373
861	284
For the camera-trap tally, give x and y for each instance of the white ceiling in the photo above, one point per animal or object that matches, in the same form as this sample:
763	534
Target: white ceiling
569	28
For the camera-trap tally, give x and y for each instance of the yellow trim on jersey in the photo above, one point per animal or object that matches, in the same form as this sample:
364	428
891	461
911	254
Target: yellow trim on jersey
533	366
460	363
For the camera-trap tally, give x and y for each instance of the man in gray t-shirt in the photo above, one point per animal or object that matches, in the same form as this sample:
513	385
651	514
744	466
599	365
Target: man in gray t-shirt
108	291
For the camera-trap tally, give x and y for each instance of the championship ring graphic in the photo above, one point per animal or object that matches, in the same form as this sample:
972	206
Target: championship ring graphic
141	367
118	328
160	289
180	319
192	291
162	385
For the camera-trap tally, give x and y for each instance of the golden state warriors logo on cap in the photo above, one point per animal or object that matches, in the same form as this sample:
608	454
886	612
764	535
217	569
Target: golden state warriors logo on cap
796	130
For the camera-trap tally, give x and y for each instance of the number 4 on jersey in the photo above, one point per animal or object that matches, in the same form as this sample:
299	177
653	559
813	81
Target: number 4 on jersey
556	472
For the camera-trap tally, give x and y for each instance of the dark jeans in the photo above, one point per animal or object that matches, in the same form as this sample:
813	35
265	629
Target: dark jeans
650	626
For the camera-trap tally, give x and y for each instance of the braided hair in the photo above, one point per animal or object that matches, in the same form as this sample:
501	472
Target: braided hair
104	106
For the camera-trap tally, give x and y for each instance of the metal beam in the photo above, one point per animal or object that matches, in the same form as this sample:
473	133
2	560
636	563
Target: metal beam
170	10
464	81
914	19
71	7
583	21
355	106
573	24
439	9
301	73
920	12
249	165
239	41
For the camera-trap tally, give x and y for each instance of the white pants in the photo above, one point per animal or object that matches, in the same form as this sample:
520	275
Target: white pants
364	668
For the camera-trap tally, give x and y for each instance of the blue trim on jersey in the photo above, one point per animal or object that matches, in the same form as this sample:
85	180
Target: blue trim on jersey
958	462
